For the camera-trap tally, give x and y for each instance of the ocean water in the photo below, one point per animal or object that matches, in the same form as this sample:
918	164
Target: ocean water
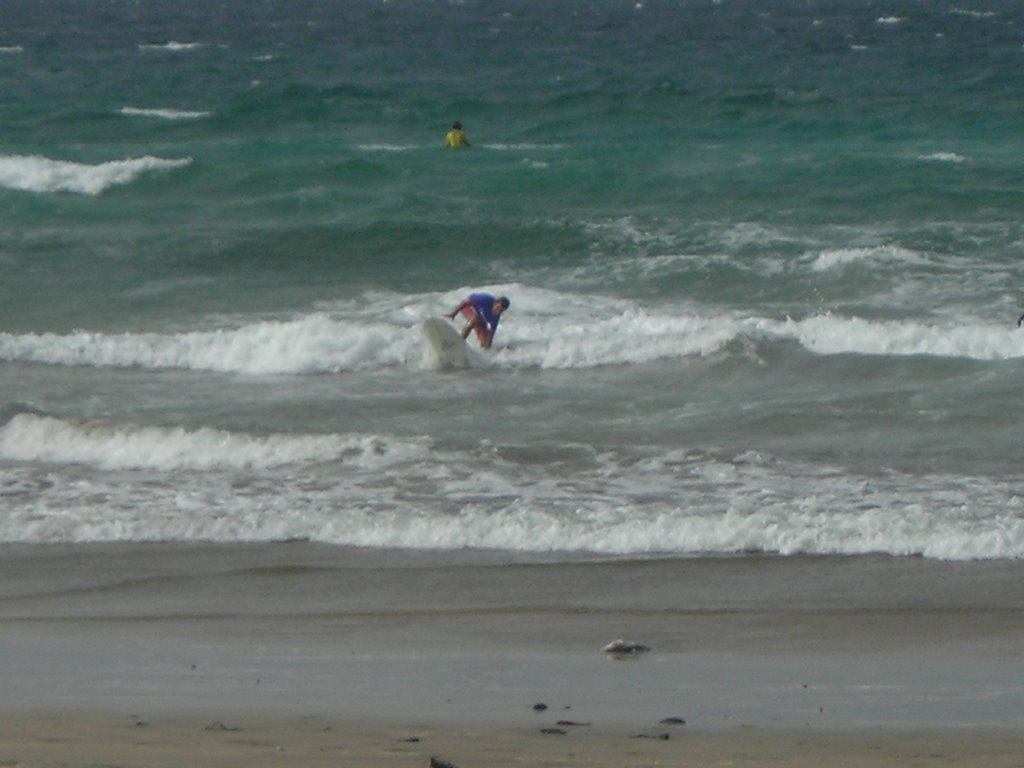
764	260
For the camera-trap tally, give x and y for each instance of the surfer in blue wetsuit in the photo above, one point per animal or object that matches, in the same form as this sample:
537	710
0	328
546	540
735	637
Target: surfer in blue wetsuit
482	312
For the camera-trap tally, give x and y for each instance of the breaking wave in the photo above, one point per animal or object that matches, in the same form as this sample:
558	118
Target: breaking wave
32	173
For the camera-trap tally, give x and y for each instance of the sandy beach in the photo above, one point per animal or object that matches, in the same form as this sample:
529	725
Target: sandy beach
298	654
129	741
750	411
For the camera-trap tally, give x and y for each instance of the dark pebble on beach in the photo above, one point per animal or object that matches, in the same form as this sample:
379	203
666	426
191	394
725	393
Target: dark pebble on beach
539	707
553	731
217	725
673	721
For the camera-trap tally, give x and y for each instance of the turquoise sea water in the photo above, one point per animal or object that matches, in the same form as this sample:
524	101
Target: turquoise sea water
764	262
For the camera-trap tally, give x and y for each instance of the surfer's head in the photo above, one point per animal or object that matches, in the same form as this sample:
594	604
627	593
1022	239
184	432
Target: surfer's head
456	126
503	302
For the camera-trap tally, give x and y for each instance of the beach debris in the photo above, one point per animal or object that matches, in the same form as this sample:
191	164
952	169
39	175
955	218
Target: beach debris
572	724
553	731
657	736
672	721
540	706
217	725
621	648
437	762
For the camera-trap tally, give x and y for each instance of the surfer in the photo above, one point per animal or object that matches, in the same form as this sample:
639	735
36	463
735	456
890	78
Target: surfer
456	136
482	312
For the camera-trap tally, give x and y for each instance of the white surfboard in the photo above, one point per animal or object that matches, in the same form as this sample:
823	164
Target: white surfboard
446	343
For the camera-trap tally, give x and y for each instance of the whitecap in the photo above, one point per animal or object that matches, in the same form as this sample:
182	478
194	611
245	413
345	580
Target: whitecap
311	344
171	45
163	113
973	14
837	258
523	147
943	157
110	446
834	335
387	147
42	174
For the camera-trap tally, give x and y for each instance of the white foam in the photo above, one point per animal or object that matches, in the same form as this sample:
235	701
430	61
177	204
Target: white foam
889	19
11	49
973	14
523	147
311	344
172	46
388	147
40	174
160	483
28	437
629	338
163	114
841	257
832	335
544	329
556	331
943	157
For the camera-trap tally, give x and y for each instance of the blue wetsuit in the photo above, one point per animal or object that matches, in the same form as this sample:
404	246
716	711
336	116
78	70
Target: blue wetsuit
483	304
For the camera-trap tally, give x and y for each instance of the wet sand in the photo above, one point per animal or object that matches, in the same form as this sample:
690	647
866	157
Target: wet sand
83	740
297	654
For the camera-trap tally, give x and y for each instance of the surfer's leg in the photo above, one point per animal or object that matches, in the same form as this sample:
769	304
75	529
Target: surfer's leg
481	334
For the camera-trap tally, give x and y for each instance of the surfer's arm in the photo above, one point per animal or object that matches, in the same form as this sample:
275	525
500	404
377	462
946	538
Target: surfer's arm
454	312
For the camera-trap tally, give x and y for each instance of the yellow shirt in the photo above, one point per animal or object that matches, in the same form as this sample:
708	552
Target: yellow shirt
455	138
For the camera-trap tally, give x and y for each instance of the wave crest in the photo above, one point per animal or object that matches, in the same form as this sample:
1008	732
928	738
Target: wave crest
33	173
323	343
30	437
163	113
313	344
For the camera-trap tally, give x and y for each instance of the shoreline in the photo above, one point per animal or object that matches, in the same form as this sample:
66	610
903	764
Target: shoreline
124	654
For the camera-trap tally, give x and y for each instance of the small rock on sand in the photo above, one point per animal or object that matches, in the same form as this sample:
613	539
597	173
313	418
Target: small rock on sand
624	648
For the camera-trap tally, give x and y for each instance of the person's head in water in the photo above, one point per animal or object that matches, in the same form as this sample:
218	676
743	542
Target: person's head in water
503	303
